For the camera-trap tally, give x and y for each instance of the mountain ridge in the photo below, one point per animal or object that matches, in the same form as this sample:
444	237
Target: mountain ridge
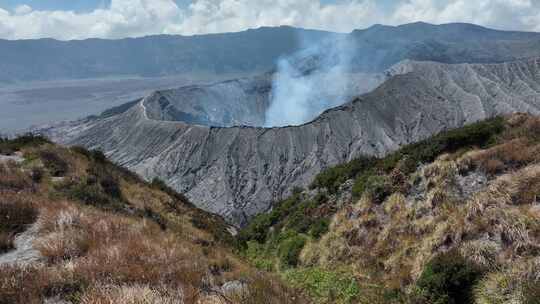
238	171
260	49
150	56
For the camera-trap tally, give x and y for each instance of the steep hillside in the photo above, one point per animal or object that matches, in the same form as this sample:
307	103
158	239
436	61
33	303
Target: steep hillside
74	228
451	219
239	171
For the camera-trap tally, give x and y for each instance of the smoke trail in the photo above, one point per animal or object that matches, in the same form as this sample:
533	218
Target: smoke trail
316	79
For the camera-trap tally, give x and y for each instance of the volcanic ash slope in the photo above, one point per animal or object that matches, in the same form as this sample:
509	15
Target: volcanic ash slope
238	171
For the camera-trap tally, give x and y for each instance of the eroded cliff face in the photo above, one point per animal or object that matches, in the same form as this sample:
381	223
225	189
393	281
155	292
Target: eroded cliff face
239	171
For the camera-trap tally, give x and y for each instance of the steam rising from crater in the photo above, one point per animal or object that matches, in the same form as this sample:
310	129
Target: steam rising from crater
314	80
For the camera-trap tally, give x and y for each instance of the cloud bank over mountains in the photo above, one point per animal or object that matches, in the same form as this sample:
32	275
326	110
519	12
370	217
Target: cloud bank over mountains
133	18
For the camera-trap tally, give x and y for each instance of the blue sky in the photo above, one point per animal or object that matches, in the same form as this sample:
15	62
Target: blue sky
87	5
75	5
80	19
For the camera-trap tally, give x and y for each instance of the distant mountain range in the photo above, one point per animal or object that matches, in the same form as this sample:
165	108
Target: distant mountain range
257	50
379	46
244	52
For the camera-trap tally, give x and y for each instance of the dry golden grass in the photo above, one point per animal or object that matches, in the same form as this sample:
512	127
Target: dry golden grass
20	285
132	294
263	289
389	244
518	282
147	251
507	156
12	179
520	146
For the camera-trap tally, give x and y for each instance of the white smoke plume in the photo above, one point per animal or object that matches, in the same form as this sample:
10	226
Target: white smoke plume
316	79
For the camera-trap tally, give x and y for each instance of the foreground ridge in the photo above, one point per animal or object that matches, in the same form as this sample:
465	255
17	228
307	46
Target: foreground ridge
76	228
451	219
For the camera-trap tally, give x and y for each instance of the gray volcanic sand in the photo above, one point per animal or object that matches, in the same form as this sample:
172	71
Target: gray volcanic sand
36	103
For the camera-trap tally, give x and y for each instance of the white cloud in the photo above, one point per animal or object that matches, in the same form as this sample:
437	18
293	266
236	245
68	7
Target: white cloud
129	18
503	14
124	18
234	15
23	9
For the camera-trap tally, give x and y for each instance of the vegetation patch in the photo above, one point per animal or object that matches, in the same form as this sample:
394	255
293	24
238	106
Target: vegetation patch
10	146
387	240
406	159
16	215
334	177
448	278
289	249
54	163
310	217
105	235
325	286
12	179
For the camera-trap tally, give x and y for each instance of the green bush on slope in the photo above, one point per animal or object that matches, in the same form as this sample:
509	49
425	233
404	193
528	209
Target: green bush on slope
479	134
289	249
325	286
362	169
448	278
293	214
9	146
333	177
531	292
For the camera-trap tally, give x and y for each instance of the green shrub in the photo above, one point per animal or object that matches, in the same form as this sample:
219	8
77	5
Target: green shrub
36	174
449	279
292	214
257	229
300	218
320	198
325	286
81	150
360	184
162	186
378	187
319	228
99	156
290	248
54	163
214	225
88	194
479	134
259	226
531	292
332	178
408	157
299	222
258	256
110	186
100	188
10	146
